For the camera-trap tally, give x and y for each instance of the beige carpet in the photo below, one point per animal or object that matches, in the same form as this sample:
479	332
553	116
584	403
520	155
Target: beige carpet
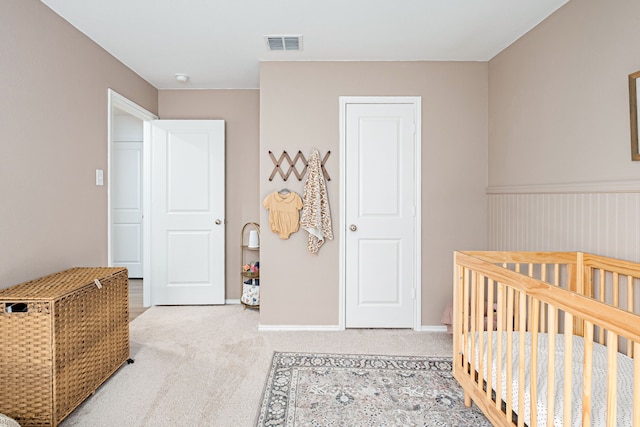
207	366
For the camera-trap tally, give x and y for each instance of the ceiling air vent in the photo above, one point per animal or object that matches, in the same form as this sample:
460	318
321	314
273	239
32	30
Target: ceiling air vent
283	43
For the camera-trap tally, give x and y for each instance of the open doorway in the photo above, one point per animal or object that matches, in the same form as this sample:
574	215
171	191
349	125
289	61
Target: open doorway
125	184
126	192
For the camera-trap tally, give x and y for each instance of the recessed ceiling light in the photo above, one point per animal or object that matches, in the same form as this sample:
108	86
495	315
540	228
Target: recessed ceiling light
182	78
284	43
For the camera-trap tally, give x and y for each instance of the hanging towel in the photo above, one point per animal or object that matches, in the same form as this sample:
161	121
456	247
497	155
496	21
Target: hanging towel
316	216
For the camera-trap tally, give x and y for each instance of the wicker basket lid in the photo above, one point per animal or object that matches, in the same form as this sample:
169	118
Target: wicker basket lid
58	284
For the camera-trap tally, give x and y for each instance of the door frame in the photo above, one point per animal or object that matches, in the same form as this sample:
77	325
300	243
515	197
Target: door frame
115	100
416	101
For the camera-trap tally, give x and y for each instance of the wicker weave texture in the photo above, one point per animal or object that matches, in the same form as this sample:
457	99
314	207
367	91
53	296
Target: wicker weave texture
73	336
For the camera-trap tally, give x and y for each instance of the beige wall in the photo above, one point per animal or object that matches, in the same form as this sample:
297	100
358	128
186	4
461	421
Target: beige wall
240	111
559	109
559	138
299	111
53	136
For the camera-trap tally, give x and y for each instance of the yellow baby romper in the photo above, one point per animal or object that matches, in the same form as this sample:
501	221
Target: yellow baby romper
284	217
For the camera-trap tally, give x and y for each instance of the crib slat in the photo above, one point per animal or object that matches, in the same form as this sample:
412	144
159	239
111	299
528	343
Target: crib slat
636	385
480	328
535	317
499	345
463	304
516	308
521	353
465	317
568	368
529	305
474	306
612	379
457	277
630	293
589	289
616	289
602	297
490	319
551	364
509	366
543	313
556	281
457	298
584	287
630	303
587	369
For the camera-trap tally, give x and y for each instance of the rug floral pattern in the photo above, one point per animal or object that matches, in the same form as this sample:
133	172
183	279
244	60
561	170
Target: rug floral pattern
361	390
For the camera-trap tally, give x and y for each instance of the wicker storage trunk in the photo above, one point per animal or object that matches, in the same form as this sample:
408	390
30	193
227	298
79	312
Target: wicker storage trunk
61	337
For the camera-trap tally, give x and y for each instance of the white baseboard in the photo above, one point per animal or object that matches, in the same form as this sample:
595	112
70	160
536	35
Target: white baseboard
431	328
330	328
232	301
295	328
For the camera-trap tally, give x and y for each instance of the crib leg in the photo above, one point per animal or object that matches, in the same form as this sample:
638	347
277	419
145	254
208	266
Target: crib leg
467	399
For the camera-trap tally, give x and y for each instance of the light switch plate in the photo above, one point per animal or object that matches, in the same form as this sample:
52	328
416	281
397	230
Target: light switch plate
99	177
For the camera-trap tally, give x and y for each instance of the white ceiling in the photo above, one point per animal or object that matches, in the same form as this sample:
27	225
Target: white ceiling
219	43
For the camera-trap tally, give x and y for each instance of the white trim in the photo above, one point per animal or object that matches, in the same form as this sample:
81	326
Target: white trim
432	328
128	106
299	328
192	89
232	301
630	186
115	100
342	168
418	211
417	102
146	213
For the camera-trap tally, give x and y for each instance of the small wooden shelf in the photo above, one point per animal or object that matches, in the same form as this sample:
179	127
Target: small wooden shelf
249	292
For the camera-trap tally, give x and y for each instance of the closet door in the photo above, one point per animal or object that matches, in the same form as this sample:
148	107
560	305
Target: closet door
380	207
187	212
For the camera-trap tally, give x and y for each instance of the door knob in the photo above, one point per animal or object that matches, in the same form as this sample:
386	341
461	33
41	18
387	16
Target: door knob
353	227
218	222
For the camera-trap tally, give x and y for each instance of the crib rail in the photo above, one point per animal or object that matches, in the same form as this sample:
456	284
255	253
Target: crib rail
614	282
544	300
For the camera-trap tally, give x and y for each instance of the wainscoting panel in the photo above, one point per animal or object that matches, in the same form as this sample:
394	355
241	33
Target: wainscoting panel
603	220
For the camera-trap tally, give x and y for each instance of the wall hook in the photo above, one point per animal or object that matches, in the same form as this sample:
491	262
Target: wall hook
292	163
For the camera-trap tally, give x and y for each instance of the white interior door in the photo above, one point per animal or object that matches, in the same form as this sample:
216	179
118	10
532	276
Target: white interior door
126	193
380	214
187	212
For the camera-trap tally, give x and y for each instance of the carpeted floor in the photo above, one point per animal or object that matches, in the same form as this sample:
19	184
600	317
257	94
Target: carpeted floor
207	366
306	390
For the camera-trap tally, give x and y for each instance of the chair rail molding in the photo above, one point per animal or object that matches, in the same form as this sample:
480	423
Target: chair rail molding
627	186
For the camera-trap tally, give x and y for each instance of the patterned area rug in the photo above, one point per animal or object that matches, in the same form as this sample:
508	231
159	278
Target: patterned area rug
361	390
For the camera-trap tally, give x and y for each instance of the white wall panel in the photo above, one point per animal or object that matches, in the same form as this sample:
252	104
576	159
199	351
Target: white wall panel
557	219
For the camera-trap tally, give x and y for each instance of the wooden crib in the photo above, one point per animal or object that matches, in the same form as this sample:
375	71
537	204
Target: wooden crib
565	348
